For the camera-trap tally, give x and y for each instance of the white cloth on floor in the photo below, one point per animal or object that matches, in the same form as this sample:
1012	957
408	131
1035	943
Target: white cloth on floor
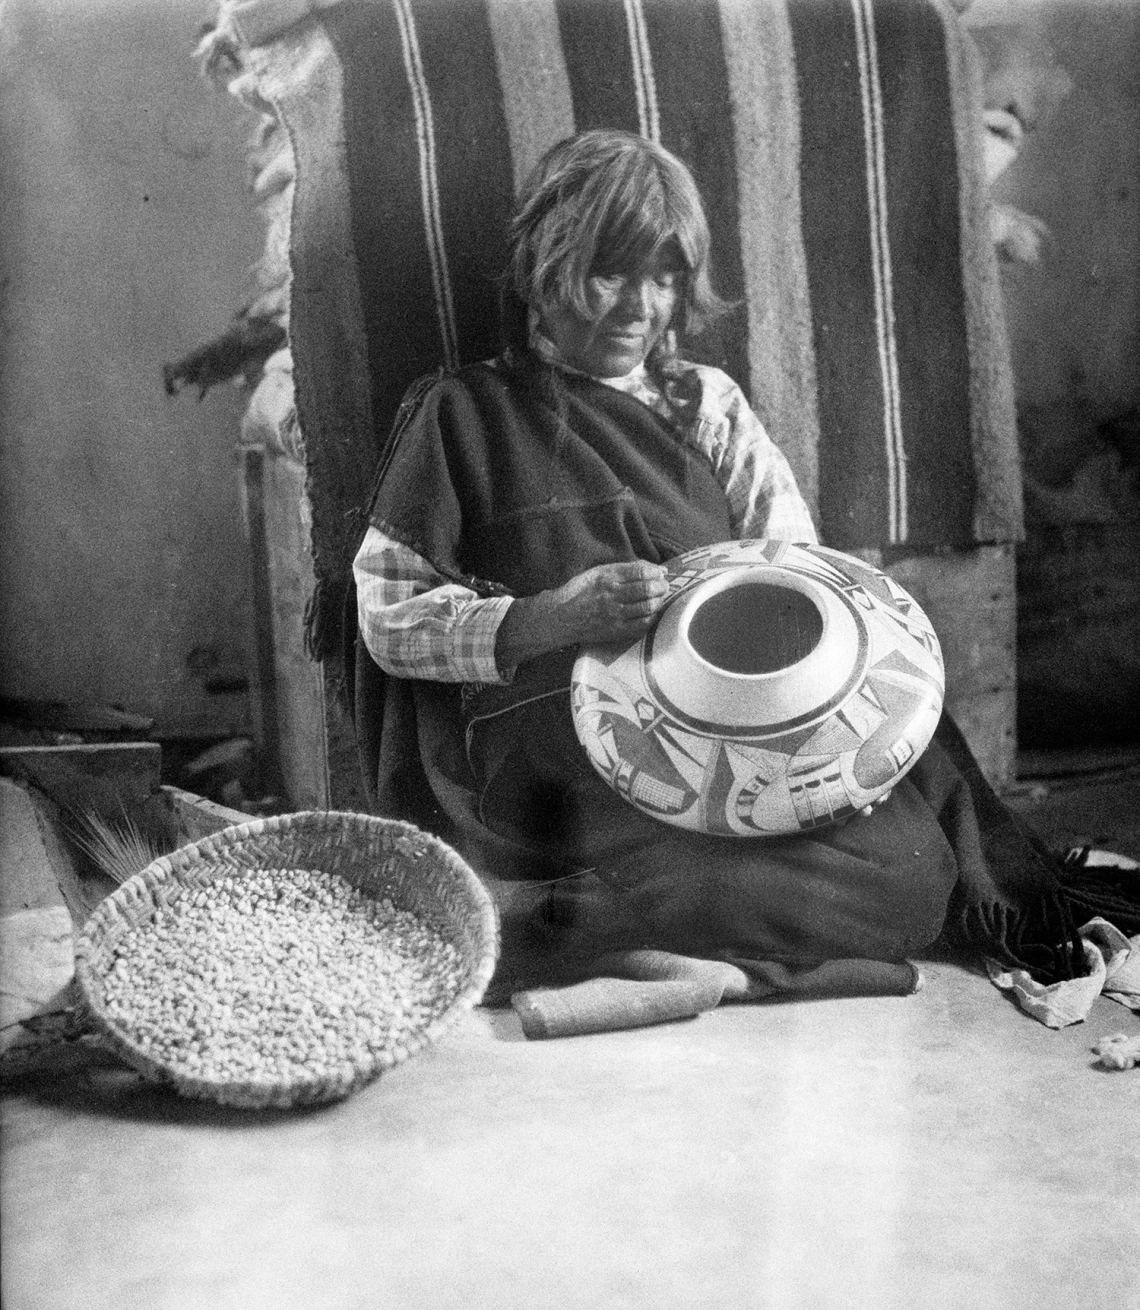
1113	970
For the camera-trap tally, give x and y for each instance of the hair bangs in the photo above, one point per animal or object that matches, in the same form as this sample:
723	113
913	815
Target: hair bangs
607	202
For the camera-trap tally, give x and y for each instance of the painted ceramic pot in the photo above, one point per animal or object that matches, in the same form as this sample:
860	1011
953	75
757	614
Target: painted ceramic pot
782	688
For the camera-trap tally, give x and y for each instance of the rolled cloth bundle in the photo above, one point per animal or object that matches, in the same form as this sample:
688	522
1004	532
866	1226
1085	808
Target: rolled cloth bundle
835	143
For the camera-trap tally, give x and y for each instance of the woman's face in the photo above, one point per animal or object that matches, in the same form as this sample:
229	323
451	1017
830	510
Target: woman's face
631	311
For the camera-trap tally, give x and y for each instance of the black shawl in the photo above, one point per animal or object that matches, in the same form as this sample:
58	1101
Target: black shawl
515	477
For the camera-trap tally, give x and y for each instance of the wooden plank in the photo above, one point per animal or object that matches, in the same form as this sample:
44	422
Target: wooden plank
37	962
39	865
61	716
346	786
108	777
288	687
263	679
970	597
300	692
192	817
27	879
1081	761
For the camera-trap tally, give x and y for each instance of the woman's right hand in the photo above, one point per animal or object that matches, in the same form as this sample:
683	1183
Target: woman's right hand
612	602
608	603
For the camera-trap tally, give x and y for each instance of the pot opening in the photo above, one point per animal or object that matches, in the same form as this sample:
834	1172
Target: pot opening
755	627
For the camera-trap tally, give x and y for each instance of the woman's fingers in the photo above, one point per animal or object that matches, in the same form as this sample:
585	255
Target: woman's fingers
635	609
639	592
612	602
636	579
631	568
608	603
644	593
868	810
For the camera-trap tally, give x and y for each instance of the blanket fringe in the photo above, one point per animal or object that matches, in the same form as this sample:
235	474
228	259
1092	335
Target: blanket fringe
1106	892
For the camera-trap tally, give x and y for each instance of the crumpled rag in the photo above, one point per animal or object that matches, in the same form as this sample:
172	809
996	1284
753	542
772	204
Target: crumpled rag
1113	962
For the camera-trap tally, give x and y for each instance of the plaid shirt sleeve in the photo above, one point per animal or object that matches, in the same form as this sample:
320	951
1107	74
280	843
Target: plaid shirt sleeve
416	624
763	498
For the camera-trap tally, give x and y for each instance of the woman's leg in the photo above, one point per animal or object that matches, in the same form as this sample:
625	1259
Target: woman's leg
874	888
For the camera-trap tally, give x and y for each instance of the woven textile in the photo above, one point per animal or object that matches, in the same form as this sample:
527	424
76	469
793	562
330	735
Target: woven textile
836	143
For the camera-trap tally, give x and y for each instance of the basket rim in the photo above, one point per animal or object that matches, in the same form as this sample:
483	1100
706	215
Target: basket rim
265	1093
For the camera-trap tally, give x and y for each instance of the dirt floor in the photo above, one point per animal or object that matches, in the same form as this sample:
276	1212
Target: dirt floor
939	1151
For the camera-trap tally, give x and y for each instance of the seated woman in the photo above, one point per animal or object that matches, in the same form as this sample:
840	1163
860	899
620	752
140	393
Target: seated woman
525	506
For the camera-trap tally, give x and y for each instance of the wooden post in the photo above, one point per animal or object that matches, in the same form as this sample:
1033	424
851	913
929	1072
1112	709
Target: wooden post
288	687
970	597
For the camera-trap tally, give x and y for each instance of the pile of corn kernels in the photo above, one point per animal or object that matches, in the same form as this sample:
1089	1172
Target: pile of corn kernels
276	975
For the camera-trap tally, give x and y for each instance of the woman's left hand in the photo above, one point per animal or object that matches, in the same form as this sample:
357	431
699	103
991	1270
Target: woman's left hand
868	810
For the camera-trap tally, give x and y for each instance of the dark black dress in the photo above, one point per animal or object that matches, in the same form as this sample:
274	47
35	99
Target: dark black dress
514	478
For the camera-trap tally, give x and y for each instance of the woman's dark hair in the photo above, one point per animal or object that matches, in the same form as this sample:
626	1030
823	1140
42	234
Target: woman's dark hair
608	201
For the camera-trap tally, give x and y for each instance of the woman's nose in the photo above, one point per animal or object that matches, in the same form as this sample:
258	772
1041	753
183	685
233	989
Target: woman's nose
637	296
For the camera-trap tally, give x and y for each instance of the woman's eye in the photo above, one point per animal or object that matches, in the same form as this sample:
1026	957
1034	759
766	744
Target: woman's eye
666	281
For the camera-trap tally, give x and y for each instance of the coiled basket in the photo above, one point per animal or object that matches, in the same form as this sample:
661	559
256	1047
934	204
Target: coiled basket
383	858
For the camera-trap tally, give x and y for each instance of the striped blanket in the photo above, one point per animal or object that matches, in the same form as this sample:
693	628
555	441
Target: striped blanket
836	142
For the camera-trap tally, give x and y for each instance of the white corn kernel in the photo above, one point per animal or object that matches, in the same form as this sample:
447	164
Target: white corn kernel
277	975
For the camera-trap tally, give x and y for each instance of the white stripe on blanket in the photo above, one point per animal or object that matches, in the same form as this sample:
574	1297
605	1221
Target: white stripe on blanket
872	96
429	180
648	117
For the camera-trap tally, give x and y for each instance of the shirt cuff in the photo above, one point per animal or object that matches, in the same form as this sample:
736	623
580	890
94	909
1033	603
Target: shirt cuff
473	640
